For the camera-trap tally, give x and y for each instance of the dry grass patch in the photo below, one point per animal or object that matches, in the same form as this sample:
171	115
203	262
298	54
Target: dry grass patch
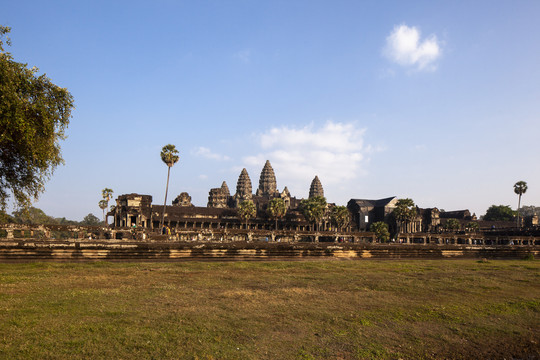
270	310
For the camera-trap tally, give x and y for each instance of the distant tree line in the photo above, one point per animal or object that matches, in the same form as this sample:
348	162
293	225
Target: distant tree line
35	216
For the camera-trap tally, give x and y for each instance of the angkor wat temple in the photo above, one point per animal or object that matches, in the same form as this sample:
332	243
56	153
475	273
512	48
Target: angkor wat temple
221	210
136	210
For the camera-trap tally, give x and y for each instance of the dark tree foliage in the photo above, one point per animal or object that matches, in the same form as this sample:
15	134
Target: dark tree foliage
499	213
313	209
32	216
380	228
452	224
276	209
340	216
404	212
247	210
91	219
34	114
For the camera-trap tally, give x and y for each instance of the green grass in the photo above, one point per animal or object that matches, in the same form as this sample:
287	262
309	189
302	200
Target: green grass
271	310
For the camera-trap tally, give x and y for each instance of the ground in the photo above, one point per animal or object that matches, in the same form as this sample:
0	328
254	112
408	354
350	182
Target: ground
386	309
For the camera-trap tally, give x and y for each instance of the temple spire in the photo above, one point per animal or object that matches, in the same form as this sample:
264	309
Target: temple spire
316	188
243	187
267	181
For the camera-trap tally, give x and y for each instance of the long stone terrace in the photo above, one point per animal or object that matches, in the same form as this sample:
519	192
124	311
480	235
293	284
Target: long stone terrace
22	232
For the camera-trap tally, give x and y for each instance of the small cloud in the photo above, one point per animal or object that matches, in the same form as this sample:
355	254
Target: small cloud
404	47
244	56
203	177
207	153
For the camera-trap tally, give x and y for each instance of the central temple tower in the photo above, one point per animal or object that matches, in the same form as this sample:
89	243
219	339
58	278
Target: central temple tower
267	181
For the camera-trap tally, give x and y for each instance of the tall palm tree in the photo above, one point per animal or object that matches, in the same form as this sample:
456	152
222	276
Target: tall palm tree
276	209
340	216
169	157
107	195
520	188
404	213
314	209
103	205
247	210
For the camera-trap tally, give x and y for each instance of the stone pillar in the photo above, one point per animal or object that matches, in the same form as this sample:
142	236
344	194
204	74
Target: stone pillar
10	234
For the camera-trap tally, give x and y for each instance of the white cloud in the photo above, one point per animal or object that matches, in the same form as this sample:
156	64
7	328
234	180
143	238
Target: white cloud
404	47
243	56
207	153
335	152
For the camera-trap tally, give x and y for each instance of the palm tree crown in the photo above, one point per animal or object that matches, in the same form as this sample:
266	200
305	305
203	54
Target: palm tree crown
520	187
168	155
107	194
247	210
276	209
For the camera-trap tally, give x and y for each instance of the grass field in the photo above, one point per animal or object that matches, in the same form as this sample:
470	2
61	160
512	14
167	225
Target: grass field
271	310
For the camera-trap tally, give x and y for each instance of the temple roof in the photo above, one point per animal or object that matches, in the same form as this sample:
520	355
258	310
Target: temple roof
371	203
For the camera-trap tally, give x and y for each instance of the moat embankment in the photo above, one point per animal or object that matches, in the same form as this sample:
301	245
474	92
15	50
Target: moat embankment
22	250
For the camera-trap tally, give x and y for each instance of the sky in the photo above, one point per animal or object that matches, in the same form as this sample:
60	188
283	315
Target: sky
437	101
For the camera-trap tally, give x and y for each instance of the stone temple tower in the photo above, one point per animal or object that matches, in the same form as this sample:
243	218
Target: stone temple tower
316	188
243	188
219	197
267	181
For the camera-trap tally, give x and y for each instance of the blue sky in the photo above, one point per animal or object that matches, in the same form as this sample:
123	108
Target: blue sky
435	101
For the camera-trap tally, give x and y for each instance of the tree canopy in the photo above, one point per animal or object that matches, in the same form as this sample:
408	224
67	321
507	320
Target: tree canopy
452	224
247	210
340	216
472	226
169	155
499	213
91	220
405	211
32	215
35	216
313	209
276	209
380	228
34	114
